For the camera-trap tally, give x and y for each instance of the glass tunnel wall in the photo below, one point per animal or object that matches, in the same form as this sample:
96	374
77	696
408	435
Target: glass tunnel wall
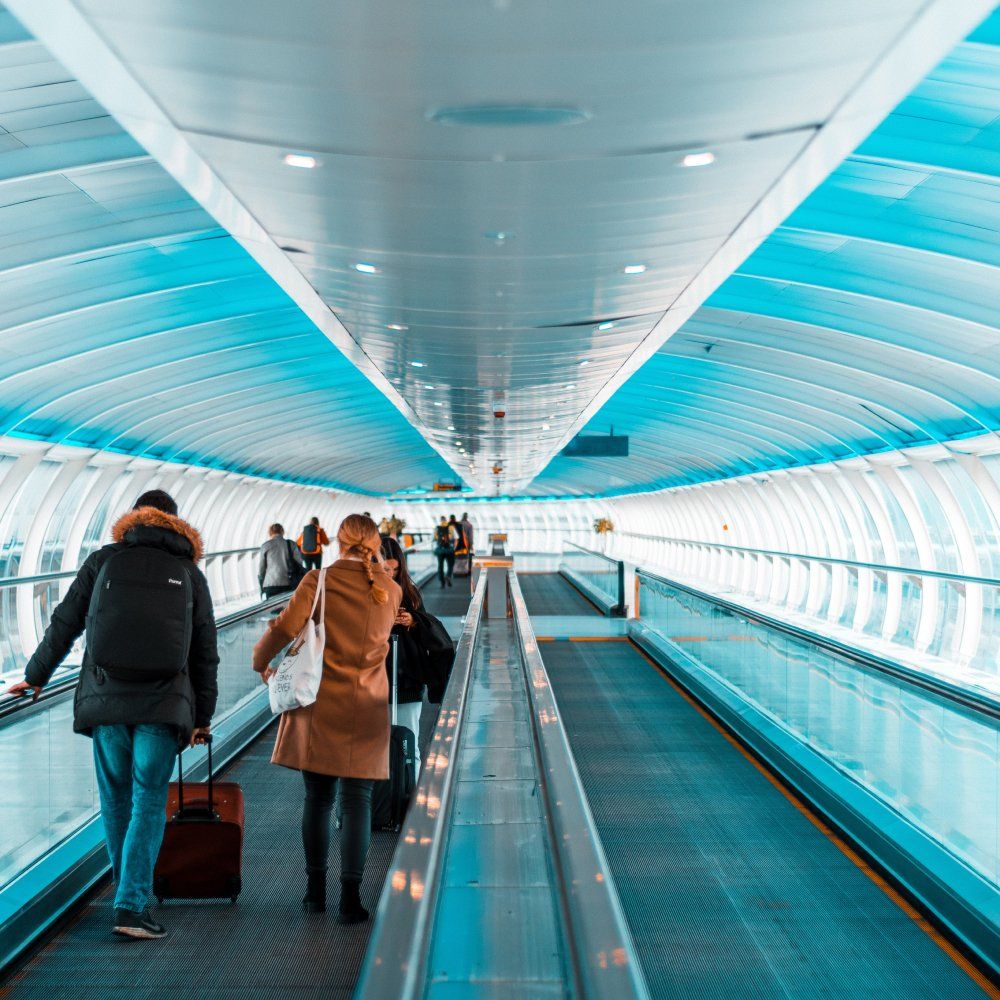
58	504
900	551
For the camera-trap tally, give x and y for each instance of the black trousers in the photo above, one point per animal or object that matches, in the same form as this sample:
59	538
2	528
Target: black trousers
315	561
317	818
446	564
270	592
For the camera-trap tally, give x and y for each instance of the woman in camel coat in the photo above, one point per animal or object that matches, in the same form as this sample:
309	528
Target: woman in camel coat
344	734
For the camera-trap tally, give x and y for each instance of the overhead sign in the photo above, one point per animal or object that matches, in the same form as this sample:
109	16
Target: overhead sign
597	446
447	487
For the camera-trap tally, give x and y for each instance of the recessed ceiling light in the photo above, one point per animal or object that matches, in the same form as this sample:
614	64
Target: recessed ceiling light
418	364
634	269
300	160
582	363
605	326
546	427
437	403
701	159
571	385
498	235
366	268
428	386
397	326
451	427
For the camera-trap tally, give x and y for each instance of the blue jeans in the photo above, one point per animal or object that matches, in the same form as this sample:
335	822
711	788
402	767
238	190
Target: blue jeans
134	764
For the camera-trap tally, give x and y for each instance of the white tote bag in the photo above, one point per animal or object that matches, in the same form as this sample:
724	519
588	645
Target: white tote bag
296	682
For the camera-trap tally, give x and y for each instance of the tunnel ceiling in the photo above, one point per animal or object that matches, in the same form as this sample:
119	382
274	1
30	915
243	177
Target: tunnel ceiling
495	171
867	322
130	321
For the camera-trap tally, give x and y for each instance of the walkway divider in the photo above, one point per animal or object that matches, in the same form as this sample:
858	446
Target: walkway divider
599	577
602	956
400	943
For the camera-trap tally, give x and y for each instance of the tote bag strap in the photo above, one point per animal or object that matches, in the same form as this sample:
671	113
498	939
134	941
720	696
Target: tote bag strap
320	597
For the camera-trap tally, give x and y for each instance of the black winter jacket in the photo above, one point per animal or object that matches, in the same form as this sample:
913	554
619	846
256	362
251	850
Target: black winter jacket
186	700
426	655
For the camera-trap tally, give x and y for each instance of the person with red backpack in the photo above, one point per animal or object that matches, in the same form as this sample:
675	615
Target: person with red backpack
311	543
148	682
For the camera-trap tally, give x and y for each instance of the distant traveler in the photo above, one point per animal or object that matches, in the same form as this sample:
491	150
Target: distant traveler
426	652
311	543
457	529
467	532
344	734
279	566
444	549
147	684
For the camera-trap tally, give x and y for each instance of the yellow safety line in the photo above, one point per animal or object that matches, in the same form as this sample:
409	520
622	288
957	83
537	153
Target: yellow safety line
973	972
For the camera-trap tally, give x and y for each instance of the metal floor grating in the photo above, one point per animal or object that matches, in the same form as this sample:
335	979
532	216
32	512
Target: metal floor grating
264	946
551	594
729	890
447	602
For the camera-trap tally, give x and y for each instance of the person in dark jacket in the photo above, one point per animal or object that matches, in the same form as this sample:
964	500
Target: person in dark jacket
425	649
444	549
137	725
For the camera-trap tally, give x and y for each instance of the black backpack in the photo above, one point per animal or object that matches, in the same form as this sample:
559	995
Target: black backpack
310	535
141	614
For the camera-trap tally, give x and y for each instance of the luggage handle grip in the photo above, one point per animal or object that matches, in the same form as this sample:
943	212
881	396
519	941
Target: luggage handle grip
180	779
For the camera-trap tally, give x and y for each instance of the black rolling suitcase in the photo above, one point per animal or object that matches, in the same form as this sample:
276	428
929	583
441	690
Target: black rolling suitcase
390	799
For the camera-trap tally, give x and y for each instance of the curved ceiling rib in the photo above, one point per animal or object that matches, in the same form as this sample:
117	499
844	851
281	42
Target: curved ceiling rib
872	314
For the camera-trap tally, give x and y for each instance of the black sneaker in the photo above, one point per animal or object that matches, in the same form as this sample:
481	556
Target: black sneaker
128	923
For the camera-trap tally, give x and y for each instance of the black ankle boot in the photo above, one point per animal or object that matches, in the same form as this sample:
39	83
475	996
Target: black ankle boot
351	910
315	899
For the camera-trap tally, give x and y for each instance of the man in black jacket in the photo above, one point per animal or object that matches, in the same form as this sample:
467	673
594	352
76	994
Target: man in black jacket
137	722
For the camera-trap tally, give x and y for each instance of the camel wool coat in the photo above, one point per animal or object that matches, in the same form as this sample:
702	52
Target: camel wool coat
345	732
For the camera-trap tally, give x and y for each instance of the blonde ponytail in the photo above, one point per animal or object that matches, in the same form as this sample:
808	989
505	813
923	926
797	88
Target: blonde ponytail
359	535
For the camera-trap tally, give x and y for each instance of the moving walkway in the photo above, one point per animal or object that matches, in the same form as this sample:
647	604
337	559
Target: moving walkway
592	821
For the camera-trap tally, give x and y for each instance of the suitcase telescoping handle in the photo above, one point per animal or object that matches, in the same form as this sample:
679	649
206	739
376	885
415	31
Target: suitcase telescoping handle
394	642
198	812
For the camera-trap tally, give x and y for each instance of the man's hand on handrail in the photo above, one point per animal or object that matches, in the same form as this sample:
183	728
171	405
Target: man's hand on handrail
22	689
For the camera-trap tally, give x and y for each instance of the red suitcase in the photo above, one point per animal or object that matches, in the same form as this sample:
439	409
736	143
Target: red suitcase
202	849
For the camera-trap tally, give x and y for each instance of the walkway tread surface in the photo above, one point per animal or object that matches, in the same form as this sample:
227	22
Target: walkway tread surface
551	594
730	891
447	602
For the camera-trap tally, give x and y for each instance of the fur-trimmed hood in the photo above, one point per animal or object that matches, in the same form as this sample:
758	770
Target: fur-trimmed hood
151	517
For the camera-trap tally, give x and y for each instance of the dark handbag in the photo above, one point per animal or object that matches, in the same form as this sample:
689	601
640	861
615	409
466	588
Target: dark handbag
438	653
296	570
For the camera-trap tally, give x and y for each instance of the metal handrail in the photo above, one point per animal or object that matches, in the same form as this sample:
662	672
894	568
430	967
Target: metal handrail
14	581
395	965
941	574
981	702
66	682
591	552
602	955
